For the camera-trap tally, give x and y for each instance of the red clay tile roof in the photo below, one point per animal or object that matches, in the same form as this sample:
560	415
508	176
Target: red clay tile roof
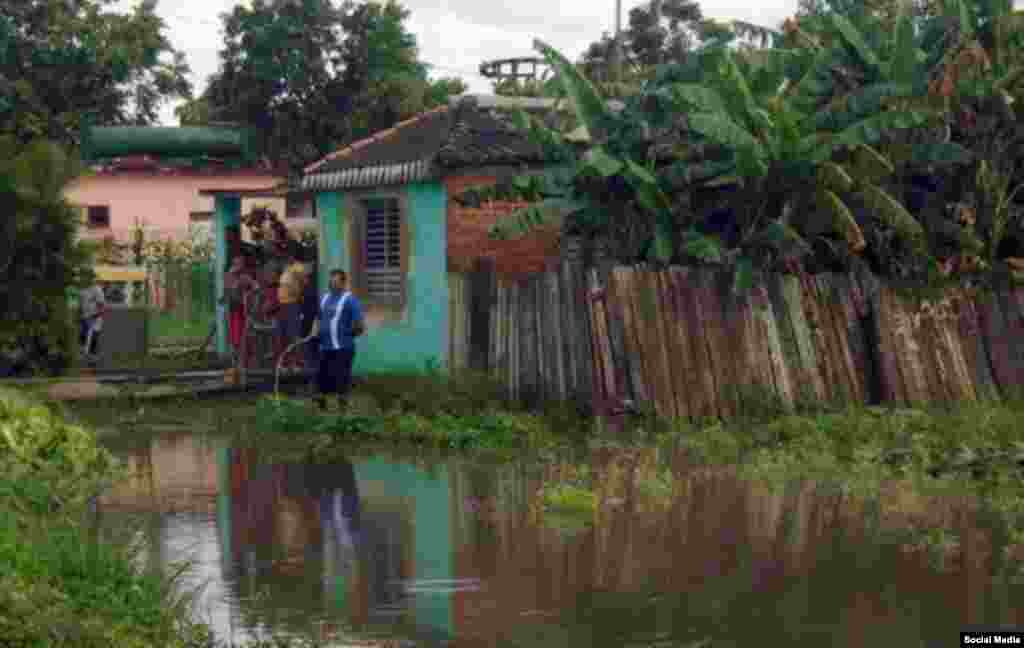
429	118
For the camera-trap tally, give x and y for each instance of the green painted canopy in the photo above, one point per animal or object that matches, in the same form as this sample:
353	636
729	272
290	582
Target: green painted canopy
105	142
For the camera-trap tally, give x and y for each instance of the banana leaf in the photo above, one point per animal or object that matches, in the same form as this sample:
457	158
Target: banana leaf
522	221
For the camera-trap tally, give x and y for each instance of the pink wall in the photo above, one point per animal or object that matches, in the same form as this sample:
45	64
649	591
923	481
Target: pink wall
162	203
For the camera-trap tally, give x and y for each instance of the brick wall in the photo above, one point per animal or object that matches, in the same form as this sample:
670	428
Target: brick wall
468	239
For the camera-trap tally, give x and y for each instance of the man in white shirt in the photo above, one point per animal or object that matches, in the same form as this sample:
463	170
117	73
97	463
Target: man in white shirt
93	305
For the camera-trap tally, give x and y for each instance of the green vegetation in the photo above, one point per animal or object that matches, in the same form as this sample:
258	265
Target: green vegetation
359	73
297	425
56	79
42	260
854	138
60	586
171	328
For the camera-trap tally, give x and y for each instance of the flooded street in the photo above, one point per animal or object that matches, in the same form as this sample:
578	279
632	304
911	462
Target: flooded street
459	553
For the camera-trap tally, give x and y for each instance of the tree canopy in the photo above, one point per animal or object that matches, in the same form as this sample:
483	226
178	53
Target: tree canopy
317	74
660	32
63	61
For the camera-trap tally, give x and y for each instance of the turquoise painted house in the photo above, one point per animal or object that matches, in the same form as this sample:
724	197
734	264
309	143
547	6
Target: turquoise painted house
385	218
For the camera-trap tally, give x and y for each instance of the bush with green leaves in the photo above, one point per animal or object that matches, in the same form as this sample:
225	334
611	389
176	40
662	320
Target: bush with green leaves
60	585
49	465
296	420
42	260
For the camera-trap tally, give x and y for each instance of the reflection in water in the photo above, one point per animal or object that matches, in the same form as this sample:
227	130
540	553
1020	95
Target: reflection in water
381	547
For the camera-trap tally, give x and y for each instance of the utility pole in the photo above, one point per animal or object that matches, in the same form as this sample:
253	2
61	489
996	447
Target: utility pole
617	44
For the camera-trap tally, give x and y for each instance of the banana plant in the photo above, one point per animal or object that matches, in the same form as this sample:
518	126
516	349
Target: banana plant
609	186
975	46
870	69
797	176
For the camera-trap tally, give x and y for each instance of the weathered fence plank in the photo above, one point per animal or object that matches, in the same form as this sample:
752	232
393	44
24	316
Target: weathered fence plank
480	311
764	331
971	331
604	369
678	340
854	309
704	358
649	306
456	316
571	329
578	296
530	381
623	297
1002	316
698	381
677	361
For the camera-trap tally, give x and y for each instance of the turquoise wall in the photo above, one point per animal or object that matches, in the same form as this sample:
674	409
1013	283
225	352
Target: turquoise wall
420	336
333	231
432	543
227	212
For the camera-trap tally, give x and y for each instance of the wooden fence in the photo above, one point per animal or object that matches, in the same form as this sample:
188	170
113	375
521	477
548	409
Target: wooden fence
533	334
680	341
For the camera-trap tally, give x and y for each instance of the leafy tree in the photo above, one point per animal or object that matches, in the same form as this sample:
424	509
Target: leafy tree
280	72
194	112
660	32
43	258
440	90
316	74
61	61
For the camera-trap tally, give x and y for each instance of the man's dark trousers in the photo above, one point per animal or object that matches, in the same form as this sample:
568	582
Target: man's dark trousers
335	374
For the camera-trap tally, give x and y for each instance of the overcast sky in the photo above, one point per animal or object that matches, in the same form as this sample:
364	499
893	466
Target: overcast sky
455	36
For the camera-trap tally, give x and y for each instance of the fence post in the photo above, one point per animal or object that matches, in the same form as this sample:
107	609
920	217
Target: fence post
480	295
576	322
603	265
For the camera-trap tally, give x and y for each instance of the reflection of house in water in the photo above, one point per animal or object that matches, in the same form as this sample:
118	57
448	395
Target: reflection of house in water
176	472
371	539
292	535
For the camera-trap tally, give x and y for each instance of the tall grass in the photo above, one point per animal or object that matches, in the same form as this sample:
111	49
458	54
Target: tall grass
59	584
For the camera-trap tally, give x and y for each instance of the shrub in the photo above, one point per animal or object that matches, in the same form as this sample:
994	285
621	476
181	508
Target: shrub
46	261
58	585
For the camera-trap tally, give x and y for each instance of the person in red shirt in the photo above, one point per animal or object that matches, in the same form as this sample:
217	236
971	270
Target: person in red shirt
238	282
271	306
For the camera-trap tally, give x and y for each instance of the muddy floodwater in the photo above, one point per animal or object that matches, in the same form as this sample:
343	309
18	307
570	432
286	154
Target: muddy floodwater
459	553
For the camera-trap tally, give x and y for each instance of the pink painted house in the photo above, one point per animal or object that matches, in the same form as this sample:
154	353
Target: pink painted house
164	200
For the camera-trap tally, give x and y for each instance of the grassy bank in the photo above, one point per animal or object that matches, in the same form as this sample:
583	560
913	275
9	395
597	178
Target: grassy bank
60	586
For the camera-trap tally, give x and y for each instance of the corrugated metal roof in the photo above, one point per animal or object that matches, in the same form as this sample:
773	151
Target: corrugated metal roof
371	176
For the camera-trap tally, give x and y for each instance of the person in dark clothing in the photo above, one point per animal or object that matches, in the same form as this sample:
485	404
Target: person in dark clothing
310	312
339	322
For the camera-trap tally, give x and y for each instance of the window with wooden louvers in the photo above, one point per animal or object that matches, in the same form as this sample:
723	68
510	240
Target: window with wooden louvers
382	250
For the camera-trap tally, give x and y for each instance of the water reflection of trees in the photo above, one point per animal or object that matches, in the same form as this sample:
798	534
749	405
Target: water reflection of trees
719	557
705	554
